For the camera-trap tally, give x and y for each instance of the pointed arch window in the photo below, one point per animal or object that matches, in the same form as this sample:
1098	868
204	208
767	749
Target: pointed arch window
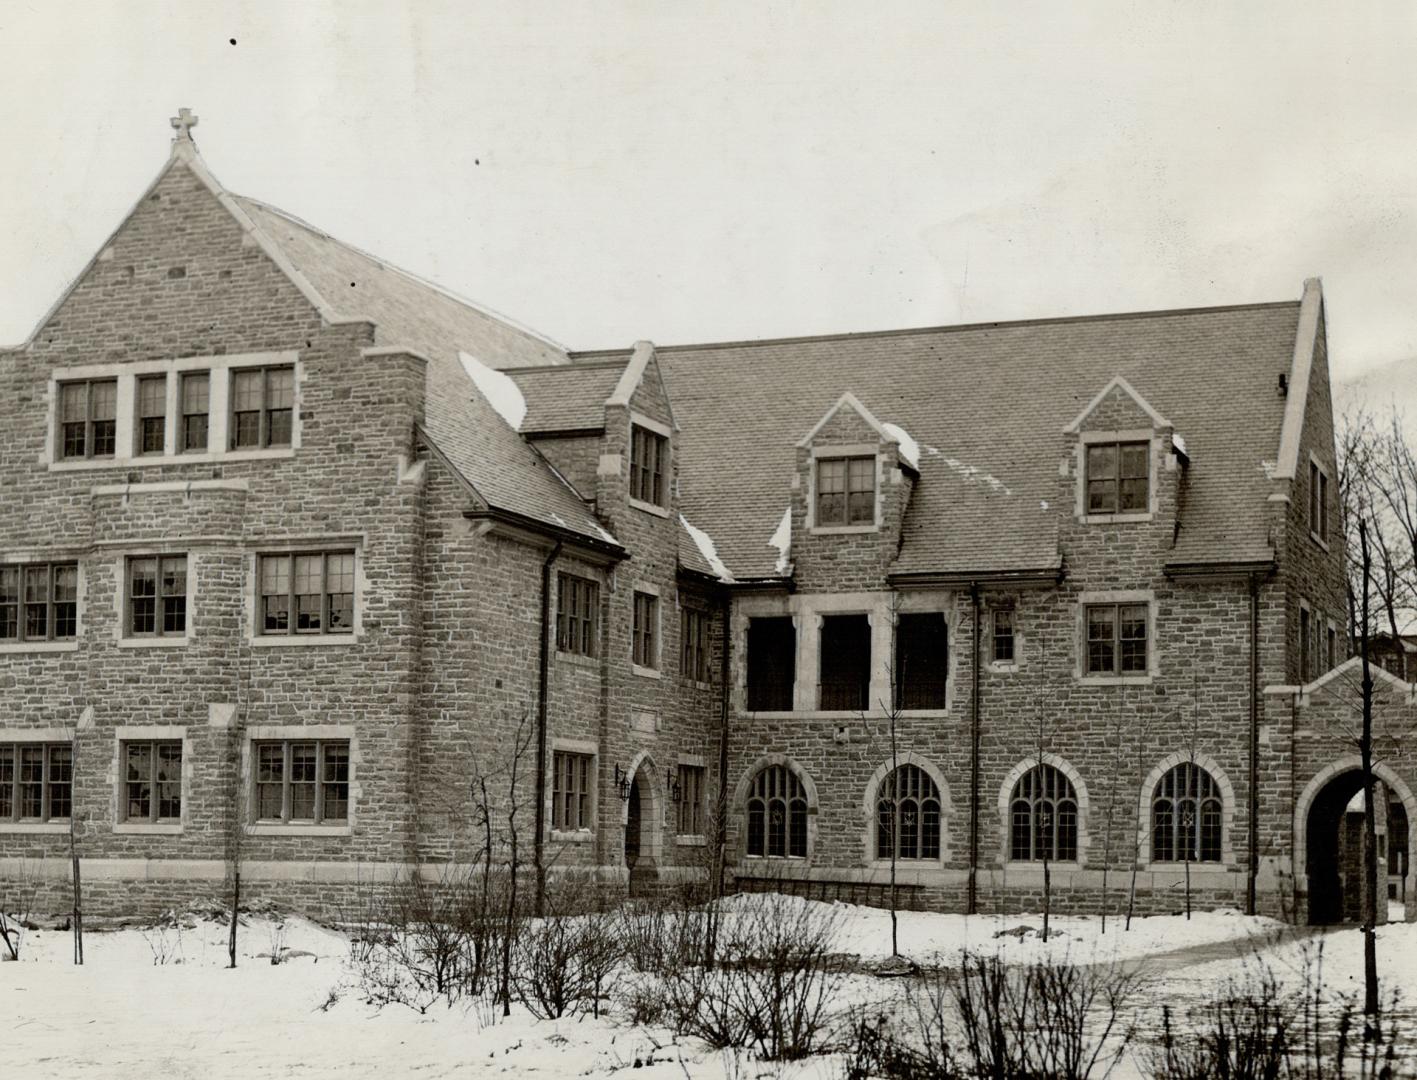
908	815
777	814
1186	814
1043	817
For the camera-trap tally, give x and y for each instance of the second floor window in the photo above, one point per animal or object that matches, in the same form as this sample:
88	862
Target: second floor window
152	414
1306	663
575	615
88	418
157	596
1116	639
36	781
262	404
846	491
1117	475
646	630
921	661
772	663
1003	636
39	602
196	409
649	454
307	593
695	645
571	777
846	663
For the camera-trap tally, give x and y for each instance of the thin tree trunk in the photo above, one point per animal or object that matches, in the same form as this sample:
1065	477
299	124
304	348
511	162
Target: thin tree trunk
78	896
1370	843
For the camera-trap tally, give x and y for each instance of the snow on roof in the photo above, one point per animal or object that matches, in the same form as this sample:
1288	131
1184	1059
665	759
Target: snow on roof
909	448
782	540
500	391
704	542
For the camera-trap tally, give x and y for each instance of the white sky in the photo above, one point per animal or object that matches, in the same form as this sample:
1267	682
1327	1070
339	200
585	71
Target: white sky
649	170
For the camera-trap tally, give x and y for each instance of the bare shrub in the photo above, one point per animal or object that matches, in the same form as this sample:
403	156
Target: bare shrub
15	908
773	982
566	964
1257	1026
165	939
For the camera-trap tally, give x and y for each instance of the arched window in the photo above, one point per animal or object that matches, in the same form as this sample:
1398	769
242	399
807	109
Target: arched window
1043	813
1185	816
777	814
908	815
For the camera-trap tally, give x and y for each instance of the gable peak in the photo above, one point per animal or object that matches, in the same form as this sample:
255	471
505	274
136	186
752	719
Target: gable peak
848	400
1117	383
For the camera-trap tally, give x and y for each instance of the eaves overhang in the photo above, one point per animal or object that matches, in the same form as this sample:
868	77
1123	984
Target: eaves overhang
1221	570
528	530
1042	577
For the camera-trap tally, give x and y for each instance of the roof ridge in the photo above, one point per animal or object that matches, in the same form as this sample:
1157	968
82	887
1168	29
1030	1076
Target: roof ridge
418	279
578	355
593	365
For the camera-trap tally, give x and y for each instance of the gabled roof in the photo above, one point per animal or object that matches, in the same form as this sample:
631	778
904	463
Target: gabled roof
987	405
1117	383
568	397
848	401
503	471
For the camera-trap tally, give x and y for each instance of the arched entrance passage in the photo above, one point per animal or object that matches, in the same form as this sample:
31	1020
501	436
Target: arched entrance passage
644	818
1328	834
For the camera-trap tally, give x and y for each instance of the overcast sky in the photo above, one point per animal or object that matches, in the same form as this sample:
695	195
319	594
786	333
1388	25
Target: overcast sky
619	171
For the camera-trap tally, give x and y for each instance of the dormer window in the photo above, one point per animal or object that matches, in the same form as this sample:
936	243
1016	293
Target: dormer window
846	491
1117	476
649	456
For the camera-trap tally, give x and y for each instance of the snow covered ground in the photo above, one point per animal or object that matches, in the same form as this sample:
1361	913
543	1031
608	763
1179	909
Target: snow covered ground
161	1002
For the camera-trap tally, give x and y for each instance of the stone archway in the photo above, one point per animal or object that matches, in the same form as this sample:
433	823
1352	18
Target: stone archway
1327	861
643	826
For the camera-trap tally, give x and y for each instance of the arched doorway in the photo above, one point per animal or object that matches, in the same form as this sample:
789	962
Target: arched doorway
643	819
1333	844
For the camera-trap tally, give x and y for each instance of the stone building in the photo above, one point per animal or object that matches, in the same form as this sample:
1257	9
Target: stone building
295	545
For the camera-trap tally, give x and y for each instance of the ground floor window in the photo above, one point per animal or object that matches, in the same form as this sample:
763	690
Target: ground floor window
304	782
152	781
908	815
36	781
691	800
1186	816
1043	811
571	778
777	814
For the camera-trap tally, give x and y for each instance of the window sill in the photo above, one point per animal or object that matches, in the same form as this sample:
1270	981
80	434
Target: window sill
1002	667
40	647
1035	869
696	684
1115	519
273	828
923	714
1198	869
650	508
575	836
271	641
646	672
840	530
577	659
207	458
1115	680
907	864
133	828
691	840
1316	538
776	860
49	827
154	642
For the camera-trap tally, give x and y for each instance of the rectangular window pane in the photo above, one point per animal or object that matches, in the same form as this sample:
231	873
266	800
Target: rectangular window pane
302	781
1003	635
845	662
275	593
246	390
831	491
31	781
137	775
196	391
169	780
922	661
308	606
772	663
66	600
1101	638
142	595
152	396
7	783
9	602
103	409
61	780
1132	620
335	782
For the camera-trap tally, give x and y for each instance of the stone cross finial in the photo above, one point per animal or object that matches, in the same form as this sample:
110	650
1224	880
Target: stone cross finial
184	122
